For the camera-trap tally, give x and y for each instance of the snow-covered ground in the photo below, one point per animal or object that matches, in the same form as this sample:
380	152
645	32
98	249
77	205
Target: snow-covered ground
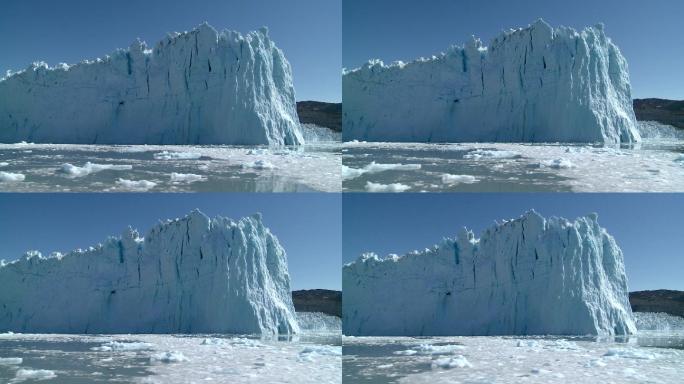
654	165
311	357
648	357
139	168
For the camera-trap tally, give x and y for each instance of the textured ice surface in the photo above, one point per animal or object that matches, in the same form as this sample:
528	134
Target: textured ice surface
189	275
527	276
197	87
221	168
658	321
535	84
316	322
654	358
655	165
176	358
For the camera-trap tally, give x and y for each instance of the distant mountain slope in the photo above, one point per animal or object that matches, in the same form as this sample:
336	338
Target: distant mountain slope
323	114
318	300
661	300
664	111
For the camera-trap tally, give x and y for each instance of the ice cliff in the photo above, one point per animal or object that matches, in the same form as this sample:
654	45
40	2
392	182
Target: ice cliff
526	276
197	87
535	84
189	275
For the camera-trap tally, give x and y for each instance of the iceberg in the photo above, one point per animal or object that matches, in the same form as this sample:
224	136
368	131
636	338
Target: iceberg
189	275
527	276
197	87
535	84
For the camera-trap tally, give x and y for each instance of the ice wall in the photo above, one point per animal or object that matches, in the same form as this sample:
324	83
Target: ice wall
528	276
197	87
189	275
535	84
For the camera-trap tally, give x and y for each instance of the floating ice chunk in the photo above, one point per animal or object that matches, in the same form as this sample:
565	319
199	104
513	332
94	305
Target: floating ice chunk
168	357
456	179
527	343
349	173
212	341
259	164
9	177
33	374
186	177
352	173
310	353
135	185
406	352
394	187
429	349
89	168
631	353
245	342
118	346
451	362
329	350
556	164
174	155
595	363
11	360
491	154
374	167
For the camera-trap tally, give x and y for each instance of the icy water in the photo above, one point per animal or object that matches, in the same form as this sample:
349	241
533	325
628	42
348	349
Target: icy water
310	358
116	168
654	165
650	357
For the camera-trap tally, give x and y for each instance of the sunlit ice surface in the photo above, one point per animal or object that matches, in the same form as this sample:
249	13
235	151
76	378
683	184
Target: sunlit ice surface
655	165
648	357
26	167
311	357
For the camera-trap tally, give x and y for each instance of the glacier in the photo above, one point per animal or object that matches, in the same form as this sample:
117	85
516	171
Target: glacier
196	87
534	84
188	275
527	276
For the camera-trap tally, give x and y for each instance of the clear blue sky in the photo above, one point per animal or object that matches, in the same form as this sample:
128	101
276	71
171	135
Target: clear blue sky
649	33
308	225
308	31
648	227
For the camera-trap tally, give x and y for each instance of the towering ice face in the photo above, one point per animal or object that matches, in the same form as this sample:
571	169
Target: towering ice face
190	275
197	87
523	277
535	84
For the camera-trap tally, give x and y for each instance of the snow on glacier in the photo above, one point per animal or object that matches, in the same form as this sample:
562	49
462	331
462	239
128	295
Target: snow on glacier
197	87
525	276
189	275
534	84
